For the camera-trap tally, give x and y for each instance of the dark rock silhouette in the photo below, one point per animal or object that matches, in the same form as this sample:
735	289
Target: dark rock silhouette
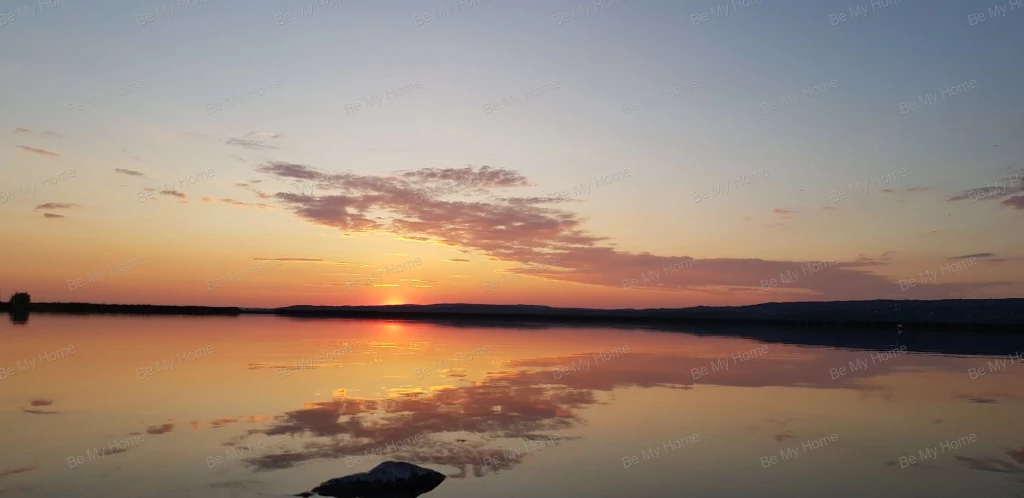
388	480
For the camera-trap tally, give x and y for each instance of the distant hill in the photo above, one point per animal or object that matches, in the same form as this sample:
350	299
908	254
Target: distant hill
887	312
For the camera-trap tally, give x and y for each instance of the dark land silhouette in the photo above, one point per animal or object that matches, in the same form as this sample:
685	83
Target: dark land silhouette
987	313
884	314
966	327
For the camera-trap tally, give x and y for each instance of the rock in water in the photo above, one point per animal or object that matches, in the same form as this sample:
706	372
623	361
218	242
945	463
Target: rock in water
389	479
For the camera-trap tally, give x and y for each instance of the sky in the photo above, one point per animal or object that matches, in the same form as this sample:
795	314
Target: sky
607	154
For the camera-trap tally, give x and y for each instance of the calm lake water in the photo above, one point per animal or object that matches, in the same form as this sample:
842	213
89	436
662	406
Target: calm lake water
266	406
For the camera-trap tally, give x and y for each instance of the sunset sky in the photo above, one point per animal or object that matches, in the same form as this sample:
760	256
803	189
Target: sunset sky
567	153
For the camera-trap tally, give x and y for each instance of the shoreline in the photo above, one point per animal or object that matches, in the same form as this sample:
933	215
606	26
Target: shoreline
987	314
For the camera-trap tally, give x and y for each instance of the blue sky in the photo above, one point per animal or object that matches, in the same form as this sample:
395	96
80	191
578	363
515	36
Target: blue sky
620	53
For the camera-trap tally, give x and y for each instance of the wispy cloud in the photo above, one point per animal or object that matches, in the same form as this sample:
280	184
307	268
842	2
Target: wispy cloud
978	255
17	470
256	140
56	205
308	260
41	152
258	205
129	172
51	215
251	144
498	225
1008	189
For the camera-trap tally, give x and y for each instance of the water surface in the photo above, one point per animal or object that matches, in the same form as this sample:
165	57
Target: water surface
268	406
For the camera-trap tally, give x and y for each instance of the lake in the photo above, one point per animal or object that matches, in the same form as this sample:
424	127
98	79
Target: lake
126	406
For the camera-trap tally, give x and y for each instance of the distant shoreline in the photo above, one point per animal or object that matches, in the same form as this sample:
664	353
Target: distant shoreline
942	314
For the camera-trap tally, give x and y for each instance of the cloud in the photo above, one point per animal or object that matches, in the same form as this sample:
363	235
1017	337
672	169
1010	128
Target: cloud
38	151
288	259
264	135
289	170
52	134
51	215
484	177
17	470
991	465
251	144
830	208
56	205
258	193
248	419
41	402
524	229
129	172
783	212
978	255
22	130
457	260
208	199
39	412
255	140
180	195
246	204
1006	187
1016	202
1017	455
160	429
